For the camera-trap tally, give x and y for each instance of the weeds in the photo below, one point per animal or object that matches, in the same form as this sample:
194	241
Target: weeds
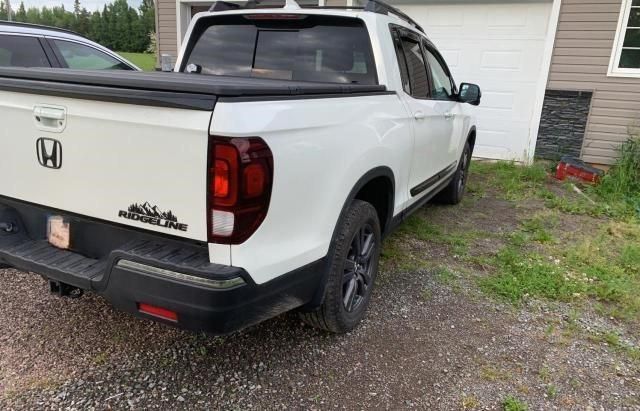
605	266
511	403
395	253
545	374
491	373
552	391
538	228
613	340
512	180
470	402
622	183
420	228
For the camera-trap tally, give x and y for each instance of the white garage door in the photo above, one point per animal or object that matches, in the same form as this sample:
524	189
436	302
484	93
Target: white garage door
499	46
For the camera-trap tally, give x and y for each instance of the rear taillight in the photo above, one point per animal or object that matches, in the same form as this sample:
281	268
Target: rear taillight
240	180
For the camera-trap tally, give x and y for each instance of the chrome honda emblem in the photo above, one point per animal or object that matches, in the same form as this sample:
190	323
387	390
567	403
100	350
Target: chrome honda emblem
49	152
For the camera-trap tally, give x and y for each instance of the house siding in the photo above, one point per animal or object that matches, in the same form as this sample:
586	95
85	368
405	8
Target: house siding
167	28
583	48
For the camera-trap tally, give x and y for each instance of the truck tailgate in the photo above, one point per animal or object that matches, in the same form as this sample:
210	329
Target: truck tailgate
138	165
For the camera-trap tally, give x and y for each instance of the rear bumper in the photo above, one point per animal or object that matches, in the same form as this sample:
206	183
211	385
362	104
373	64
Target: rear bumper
141	268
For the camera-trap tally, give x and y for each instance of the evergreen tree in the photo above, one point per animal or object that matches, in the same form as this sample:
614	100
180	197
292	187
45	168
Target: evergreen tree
33	15
3	11
82	22
118	26
21	14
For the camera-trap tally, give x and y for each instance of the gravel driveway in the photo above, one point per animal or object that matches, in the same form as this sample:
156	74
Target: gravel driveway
431	340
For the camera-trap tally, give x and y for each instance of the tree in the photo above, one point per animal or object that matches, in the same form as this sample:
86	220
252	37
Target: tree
118	26
21	14
82	23
3	11
33	15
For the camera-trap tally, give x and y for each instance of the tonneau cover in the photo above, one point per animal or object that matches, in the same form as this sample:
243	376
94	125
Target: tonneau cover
220	86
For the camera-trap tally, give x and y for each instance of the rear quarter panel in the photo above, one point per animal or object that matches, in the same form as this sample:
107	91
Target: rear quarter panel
321	148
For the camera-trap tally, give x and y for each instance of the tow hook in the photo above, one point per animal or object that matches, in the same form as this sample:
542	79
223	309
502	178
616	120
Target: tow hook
65	290
8	227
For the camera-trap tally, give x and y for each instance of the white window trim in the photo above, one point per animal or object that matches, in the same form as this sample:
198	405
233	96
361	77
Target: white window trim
614	70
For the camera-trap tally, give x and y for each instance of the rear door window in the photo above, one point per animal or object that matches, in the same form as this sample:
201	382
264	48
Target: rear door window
83	57
22	51
418	76
286	47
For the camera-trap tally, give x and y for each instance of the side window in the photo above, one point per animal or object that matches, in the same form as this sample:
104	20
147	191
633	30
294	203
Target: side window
442	86
417	69
402	62
79	56
22	51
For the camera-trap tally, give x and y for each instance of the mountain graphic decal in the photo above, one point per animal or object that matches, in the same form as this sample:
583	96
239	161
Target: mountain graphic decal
151	214
152	211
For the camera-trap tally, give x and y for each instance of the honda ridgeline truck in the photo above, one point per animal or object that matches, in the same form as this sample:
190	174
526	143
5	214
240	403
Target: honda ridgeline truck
259	177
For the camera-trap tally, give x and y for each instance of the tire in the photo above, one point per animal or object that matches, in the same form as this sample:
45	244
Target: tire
454	192
352	271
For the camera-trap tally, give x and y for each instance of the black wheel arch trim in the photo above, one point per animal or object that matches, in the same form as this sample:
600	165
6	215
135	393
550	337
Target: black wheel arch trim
472	130
382	171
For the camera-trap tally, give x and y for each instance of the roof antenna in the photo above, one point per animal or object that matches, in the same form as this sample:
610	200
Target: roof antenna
291	5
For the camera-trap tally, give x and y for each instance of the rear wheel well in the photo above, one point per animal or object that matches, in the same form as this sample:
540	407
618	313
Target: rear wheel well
379	193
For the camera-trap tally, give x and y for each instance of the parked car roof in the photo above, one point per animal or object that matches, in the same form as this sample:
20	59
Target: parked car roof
28	28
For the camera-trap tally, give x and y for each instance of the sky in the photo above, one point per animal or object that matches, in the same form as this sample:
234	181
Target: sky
90	5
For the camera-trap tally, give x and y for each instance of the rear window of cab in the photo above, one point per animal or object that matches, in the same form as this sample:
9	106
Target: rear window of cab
283	46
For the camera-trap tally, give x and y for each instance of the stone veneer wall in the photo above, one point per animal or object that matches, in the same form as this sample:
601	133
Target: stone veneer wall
563	123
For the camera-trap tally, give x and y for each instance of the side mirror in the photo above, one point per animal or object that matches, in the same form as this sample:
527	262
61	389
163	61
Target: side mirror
193	68
470	93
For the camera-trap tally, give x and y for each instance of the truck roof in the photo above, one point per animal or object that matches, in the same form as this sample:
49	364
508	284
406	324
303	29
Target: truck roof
373	6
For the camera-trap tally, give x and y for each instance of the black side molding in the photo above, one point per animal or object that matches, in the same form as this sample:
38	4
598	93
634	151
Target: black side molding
430	182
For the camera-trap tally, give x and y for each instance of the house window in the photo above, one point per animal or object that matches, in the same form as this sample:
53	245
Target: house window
625	60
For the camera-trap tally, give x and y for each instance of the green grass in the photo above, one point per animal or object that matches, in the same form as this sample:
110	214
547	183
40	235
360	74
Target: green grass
612	339
513	181
604	265
622	183
538	228
552	391
618	196
145	61
598	266
511	403
419	227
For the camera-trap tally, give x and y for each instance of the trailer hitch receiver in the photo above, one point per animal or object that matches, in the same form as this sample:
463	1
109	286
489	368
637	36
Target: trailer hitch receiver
65	290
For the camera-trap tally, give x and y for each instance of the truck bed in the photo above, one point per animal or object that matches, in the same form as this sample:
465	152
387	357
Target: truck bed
178	90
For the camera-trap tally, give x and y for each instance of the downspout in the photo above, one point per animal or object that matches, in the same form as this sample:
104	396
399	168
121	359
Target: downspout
157	31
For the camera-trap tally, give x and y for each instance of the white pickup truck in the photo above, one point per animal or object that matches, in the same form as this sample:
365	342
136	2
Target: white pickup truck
260	177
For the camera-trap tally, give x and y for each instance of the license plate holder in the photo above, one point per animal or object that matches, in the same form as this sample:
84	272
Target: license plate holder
59	232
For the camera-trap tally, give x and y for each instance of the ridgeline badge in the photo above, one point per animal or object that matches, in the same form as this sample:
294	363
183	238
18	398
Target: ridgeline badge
148	214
